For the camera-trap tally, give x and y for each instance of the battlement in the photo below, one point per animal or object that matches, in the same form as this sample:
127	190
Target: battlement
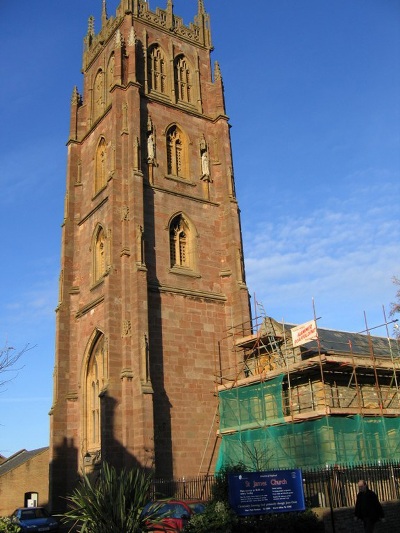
197	32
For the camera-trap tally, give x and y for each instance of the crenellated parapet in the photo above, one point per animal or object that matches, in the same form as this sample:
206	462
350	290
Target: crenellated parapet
197	32
93	44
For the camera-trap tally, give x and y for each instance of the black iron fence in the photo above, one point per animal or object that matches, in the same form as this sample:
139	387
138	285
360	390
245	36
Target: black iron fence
332	487
198	488
337	486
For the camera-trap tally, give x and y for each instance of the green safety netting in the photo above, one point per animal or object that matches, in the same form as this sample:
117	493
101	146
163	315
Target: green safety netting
255	434
250	406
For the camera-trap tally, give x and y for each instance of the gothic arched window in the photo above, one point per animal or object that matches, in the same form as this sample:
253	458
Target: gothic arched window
101	166
180	242
157	74
94	384
98	95
183	81
176	152
99	254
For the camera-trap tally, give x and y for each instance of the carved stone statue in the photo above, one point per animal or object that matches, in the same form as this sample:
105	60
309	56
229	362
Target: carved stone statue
205	168
150	148
205	165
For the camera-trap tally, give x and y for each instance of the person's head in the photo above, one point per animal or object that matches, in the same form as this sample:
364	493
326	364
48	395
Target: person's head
362	485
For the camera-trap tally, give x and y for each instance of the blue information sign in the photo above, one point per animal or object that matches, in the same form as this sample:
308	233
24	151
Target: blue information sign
274	491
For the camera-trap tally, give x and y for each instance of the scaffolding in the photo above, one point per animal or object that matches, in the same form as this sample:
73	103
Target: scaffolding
331	400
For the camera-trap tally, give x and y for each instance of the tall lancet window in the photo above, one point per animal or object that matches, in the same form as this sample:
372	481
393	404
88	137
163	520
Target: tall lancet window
94	385
157	70
176	152
180	242
183	80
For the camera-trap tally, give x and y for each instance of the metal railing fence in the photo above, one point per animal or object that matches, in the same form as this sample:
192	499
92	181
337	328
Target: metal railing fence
333	486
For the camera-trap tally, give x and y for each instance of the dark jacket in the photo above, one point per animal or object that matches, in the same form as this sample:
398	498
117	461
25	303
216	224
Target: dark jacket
368	506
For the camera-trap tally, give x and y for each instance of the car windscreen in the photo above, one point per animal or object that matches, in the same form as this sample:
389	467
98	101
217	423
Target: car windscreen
41	513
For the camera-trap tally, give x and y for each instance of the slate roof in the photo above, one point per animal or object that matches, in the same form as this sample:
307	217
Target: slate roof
333	341
356	343
18	459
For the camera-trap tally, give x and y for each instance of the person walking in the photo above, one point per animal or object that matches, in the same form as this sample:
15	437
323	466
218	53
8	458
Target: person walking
368	508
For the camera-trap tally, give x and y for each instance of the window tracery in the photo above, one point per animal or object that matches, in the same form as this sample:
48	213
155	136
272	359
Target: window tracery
94	384
157	70
183	80
176	152
180	242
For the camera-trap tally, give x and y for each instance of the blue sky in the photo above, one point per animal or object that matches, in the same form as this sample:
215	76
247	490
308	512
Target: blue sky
313	94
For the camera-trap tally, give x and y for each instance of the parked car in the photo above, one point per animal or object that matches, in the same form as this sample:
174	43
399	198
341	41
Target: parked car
32	519
171	515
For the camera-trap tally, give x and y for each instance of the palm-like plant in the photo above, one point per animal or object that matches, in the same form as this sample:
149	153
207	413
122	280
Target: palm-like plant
111	504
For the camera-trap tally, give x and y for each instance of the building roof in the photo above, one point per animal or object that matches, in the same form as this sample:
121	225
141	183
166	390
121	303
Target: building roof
330	341
356	343
19	458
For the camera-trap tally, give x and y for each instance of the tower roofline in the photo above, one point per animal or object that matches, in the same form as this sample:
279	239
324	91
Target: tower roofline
197	32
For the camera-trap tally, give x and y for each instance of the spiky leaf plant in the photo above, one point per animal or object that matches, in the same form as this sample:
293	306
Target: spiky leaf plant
110	504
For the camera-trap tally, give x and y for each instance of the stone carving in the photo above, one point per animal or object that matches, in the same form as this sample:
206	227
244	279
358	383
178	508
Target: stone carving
126	328
132	37
125	213
151	146
205	166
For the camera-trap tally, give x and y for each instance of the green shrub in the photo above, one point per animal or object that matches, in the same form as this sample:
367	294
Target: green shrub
220	489
218	518
7	525
294	522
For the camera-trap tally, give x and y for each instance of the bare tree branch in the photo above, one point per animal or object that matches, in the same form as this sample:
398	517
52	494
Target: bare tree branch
9	357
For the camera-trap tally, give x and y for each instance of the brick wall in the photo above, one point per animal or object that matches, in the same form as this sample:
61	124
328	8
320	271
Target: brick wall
31	476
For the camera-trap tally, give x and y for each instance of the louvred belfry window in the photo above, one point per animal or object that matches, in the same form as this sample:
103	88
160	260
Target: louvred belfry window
157	71
183	80
175	152
179	242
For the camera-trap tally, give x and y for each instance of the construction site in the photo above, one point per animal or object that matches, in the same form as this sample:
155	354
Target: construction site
304	396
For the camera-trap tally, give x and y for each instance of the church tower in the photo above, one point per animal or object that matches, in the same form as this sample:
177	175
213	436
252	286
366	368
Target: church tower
152	271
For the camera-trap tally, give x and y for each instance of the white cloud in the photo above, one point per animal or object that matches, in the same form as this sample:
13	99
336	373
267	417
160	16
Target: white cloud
344	256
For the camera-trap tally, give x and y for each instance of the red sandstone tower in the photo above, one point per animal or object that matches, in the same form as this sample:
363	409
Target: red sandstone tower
152	267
